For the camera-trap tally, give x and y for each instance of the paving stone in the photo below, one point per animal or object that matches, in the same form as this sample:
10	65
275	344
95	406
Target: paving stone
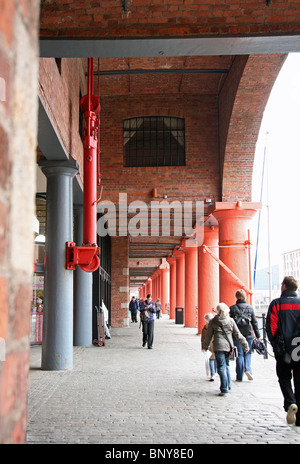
125	394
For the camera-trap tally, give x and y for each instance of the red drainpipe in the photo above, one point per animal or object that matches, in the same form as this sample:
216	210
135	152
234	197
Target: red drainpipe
86	256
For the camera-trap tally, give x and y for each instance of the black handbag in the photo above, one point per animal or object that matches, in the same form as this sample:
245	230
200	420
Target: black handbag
259	346
144	315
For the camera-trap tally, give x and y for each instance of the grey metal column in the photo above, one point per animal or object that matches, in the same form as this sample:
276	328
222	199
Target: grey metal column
83	291
57	349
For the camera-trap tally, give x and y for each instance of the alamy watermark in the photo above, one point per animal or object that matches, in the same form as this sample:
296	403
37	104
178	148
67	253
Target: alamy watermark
296	351
154	219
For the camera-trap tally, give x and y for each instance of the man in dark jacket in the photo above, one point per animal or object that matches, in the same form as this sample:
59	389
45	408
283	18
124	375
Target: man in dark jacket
133	307
283	329
245	319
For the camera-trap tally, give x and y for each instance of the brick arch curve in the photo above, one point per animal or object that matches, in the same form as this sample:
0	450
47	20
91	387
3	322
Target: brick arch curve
257	76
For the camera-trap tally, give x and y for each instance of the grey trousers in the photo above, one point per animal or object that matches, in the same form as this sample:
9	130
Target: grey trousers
148	333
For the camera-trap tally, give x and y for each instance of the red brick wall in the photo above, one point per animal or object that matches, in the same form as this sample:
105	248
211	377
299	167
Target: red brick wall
200	176
18	129
119	281
59	92
77	18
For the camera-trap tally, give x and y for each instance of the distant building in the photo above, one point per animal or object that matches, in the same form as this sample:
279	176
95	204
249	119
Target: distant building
291	263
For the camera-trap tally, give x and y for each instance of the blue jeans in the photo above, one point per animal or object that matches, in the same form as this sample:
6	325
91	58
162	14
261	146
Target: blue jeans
222	358
213	367
243	361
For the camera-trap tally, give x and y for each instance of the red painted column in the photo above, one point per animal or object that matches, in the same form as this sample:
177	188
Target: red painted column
155	291
180	277
234	219
153	287
148	287
208	275
191	283
158	283
144	290
172	262
164	288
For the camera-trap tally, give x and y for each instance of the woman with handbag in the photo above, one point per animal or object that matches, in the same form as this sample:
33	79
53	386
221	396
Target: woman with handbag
222	328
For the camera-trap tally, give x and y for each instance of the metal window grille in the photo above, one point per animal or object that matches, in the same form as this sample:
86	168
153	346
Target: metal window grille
153	141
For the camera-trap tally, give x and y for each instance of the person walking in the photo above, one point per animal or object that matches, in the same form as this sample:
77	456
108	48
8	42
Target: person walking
244	317
148	325
212	364
283	330
158	308
222	327
133	307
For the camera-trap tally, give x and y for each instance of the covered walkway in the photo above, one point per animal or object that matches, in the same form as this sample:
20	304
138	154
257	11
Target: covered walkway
125	394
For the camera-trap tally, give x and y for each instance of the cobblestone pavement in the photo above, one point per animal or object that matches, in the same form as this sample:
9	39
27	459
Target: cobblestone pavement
125	394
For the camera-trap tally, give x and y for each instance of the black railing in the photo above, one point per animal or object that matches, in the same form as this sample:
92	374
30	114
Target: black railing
262	327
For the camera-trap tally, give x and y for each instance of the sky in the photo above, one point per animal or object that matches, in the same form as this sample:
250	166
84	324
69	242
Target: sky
281	186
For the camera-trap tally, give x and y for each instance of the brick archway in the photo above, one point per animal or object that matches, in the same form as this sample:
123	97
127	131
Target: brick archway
258	74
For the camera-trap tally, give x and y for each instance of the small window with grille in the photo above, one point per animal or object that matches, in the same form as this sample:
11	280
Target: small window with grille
153	141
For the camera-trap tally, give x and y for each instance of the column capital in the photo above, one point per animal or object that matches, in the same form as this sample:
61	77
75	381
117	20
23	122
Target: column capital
52	168
171	260
163	269
241	209
178	253
189	245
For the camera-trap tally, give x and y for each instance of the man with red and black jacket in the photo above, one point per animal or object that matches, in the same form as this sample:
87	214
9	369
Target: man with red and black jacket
283	329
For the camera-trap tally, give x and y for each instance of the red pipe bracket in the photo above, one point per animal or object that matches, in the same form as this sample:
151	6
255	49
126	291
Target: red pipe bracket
85	256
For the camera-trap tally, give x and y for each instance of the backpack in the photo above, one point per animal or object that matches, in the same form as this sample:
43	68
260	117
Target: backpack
241	319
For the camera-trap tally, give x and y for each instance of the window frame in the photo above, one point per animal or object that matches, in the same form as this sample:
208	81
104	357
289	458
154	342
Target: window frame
152	141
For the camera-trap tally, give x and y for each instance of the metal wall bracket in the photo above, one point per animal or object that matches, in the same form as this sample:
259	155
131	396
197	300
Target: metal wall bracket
85	256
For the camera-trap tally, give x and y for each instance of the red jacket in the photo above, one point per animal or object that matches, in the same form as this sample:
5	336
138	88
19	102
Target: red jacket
283	321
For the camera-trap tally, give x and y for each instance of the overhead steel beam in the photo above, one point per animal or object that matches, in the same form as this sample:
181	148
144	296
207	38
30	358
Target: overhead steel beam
107	48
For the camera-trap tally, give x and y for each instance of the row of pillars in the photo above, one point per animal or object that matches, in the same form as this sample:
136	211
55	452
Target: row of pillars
194	279
209	270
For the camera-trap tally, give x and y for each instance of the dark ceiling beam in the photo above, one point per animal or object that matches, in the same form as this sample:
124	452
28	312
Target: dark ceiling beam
131	72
